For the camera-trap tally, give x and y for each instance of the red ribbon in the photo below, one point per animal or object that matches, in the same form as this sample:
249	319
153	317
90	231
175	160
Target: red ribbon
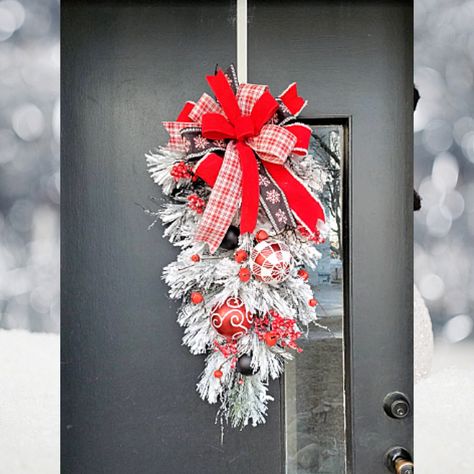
236	126
256	125
240	127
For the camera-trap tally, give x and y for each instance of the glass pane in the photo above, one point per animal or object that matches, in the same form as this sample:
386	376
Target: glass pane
314	381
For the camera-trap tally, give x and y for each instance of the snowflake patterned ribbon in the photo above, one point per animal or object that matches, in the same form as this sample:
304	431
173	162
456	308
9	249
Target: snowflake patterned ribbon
255	133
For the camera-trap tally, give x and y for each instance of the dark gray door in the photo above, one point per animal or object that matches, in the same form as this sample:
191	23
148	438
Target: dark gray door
128	386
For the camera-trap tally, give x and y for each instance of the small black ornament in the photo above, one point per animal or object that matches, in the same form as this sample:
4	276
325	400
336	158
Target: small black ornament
231	238
243	365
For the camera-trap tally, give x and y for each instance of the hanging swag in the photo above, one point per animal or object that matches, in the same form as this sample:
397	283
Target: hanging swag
244	212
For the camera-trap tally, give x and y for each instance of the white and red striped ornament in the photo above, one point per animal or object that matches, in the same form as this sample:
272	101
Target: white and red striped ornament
271	262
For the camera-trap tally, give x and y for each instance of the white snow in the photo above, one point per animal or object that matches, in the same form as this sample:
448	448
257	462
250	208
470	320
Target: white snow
444	412
29	403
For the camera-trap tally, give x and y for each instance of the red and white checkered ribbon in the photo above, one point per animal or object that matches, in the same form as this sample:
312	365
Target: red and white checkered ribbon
245	121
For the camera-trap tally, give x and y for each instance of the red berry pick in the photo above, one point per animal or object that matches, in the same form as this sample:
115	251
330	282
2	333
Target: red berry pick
196	203
240	256
313	302
196	297
218	373
303	274
271	338
181	170
244	274
195	258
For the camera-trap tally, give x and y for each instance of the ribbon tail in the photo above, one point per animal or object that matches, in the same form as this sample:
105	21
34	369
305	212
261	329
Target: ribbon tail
225	95
306	208
223	201
208	168
250	189
274	203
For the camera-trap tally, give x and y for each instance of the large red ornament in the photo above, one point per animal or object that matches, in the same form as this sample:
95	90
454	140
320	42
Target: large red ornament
271	262
232	319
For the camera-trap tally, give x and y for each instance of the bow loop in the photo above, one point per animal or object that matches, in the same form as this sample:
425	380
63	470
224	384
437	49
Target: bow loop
225	95
216	127
248	95
250	125
263	110
274	144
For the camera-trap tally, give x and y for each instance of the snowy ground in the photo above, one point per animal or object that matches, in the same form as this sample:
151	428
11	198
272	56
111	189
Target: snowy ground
444	412
29	403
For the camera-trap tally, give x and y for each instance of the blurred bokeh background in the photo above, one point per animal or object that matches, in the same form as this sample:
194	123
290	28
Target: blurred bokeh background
444	230
29	236
444	167
29	165
29	223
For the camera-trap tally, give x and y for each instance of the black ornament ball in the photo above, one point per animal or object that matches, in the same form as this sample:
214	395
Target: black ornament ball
243	365
231	238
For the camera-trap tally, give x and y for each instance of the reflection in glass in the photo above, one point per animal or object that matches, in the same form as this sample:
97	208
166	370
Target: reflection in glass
314	381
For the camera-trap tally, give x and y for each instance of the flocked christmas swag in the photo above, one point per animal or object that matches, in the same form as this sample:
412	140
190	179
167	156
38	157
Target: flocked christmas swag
243	210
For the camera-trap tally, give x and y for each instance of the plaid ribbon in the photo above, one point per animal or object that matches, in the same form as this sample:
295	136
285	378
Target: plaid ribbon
245	123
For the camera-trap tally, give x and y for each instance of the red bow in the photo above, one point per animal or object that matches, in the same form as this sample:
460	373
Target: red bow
244	120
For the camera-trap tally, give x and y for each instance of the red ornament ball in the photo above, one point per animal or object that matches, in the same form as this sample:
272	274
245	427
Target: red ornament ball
196	297
232	319
271	338
261	235
195	258
303	274
244	274
271	262
313	302
218	373
240	256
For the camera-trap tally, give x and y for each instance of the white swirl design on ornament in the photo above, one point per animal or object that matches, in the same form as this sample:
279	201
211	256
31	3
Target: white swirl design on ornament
237	321
231	319
234	303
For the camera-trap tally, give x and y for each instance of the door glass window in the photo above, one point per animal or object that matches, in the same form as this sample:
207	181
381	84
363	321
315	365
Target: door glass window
314	381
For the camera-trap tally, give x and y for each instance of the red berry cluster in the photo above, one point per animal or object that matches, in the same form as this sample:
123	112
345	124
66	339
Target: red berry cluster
229	350
273	328
181	170
316	237
196	203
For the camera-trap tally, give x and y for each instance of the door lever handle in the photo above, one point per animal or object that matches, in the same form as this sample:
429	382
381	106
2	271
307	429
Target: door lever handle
399	461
